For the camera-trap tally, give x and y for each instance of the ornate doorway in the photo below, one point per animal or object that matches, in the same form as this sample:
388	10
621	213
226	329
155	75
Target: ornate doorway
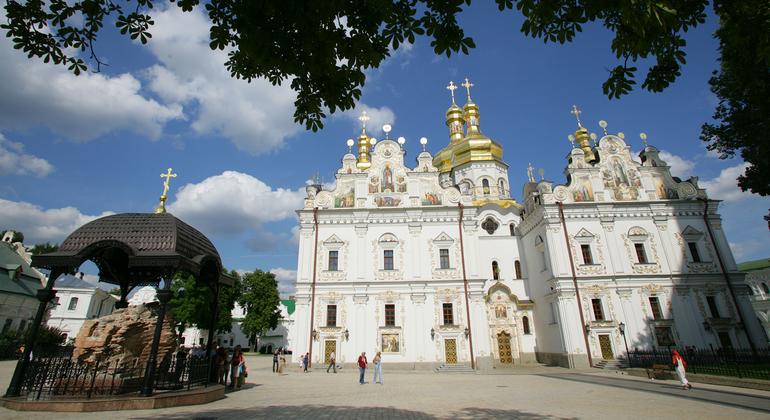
450	350
504	347
606	346
329	347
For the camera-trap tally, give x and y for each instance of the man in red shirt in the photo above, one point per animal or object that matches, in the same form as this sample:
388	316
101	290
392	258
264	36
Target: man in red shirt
362	367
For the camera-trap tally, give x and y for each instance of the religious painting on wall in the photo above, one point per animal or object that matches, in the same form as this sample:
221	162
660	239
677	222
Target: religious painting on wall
387	201
401	184
431	199
374	184
617	180
390	343
387	179
501	312
345	199
584	191
664	192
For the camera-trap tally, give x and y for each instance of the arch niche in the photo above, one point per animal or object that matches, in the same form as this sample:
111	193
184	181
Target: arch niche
505	313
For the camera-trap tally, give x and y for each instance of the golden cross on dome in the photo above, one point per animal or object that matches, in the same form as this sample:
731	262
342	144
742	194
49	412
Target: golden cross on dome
468	85
576	112
363	118
452	86
168	175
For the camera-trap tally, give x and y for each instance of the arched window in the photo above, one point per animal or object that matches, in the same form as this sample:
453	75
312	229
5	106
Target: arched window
765	289
73	304
517	268
485	186
512	227
501	185
495	271
525	324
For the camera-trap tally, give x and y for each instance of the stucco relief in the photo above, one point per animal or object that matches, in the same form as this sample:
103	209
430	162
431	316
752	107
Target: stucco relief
639	235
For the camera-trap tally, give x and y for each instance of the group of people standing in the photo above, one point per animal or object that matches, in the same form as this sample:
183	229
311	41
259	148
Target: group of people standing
235	367
279	360
363	364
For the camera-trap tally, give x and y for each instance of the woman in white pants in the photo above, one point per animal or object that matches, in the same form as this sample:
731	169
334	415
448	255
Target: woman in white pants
679	365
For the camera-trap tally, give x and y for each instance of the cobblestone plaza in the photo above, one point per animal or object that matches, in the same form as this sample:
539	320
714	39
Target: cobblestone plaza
534	393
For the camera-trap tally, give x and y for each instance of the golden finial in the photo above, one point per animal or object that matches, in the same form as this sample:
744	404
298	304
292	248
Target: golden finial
452	86
363	118
576	112
468	85
161	209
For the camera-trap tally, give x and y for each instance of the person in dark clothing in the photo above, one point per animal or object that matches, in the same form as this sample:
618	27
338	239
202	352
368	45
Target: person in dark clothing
305	362
275	361
362	367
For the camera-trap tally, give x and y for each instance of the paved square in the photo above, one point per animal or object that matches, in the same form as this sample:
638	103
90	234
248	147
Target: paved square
538	393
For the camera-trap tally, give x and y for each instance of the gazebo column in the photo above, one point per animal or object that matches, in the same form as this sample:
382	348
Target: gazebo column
214	320
164	296
45	296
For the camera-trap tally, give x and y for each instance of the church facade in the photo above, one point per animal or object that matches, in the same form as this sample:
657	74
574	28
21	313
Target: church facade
434	262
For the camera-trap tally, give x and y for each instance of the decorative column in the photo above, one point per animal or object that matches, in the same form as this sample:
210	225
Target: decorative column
45	296
418	343
164	296
608	226
360	333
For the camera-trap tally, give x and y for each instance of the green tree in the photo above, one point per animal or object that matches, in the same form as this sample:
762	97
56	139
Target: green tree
44	248
742	85
192	302
260	299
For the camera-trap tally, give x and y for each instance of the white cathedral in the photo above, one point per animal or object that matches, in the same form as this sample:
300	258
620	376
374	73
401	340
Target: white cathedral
436	263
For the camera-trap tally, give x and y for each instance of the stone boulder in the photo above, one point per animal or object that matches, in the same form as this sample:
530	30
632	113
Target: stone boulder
124	337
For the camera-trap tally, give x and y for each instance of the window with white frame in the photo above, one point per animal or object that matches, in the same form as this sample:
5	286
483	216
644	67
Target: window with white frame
387	259
640	240
333	260
694	241
73	304
443	258
585	240
388	244
596	305
585	252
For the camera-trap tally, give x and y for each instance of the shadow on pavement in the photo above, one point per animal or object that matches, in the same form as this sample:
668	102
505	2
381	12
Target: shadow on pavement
342	412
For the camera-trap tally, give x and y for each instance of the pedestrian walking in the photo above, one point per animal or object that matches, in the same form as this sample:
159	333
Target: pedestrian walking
377	368
275	360
220	360
281	361
236	364
332	363
305	362
362	367
679	366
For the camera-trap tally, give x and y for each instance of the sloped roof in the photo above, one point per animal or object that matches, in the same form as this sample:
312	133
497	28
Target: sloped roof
73	282
16	276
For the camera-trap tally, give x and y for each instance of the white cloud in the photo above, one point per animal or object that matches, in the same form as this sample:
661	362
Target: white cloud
680	167
13	160
234	203
725	185
39	225
287	280
256	116
78	107
377	118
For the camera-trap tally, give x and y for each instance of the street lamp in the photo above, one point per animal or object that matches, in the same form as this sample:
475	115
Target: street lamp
467	332
432	333
622	328
315	335
347	334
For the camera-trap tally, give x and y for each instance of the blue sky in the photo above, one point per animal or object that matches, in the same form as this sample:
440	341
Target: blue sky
74	148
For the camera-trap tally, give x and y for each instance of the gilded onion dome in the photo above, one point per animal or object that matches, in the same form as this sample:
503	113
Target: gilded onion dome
582	138
474	146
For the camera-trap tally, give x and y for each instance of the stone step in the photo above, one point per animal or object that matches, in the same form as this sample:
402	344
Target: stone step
455	368
615	364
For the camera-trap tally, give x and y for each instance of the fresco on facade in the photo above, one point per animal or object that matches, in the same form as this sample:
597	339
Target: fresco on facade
387	201
583	191
431	199
501	312
345	199
400	184
622	184
387	179
390	343
664	192
374	184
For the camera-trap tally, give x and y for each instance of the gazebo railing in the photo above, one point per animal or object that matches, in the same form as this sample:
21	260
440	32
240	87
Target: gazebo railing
65	378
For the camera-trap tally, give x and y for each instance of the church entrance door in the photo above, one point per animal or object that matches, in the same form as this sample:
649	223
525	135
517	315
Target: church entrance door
329	347
450	350
504	347
604	344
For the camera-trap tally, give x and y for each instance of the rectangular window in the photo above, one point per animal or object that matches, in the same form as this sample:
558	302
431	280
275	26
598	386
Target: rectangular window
73	304
444	258
712	302
448	317
22	325
587	258
724	340
390	315
664	337
7	325
331	315
388	259
655	306
694	251
641	255
598	312
333	259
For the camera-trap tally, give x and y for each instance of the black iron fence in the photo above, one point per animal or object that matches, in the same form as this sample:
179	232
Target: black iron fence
63	377
741	363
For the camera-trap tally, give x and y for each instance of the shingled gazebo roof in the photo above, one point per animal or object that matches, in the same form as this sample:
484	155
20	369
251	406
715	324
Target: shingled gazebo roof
138	248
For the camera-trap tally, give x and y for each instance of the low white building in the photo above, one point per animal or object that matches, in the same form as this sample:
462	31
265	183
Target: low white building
77	301
280	337
19	284
758	280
